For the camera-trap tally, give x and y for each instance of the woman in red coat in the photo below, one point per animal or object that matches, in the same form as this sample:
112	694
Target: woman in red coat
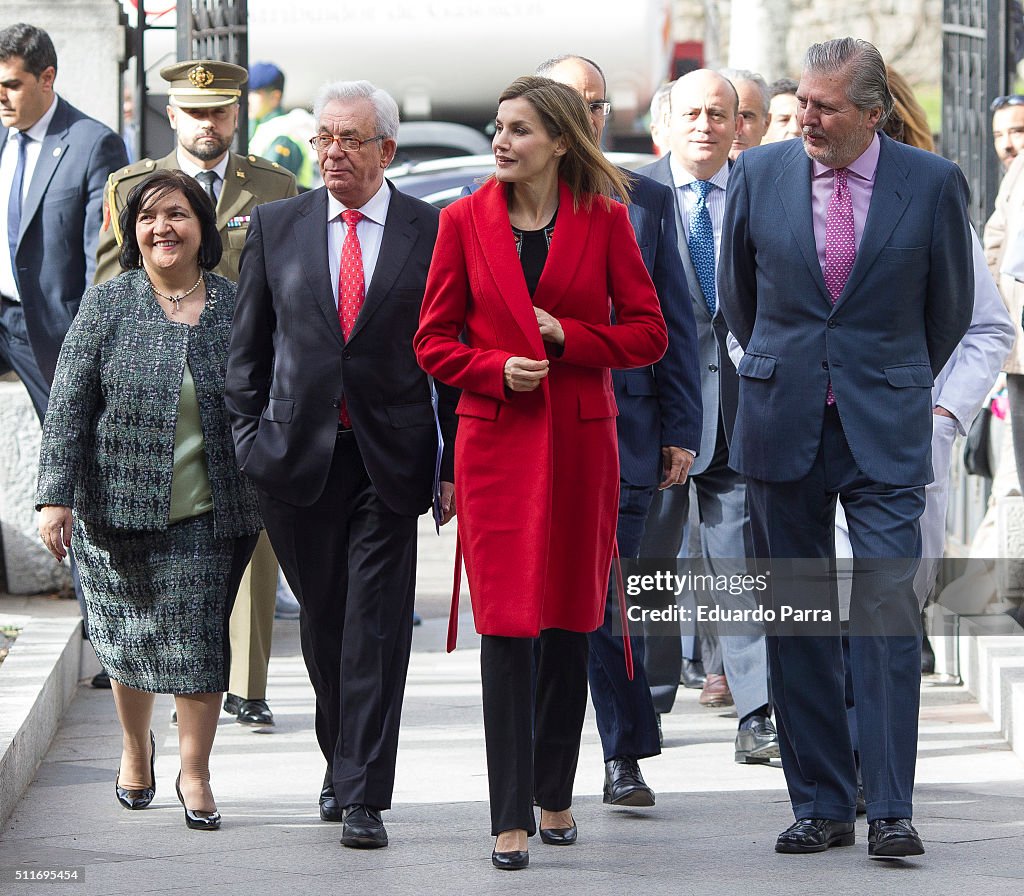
526	272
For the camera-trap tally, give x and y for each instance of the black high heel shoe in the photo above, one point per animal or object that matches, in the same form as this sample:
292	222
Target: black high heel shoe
559	836
141	797
196	821
512	860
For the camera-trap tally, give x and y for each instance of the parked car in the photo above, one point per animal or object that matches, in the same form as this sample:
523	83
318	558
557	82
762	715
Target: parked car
422	140
441	181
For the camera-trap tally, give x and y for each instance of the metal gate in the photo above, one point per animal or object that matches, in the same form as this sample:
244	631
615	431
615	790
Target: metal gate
217	29
976	67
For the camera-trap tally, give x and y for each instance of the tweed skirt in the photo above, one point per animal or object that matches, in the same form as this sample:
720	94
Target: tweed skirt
158	603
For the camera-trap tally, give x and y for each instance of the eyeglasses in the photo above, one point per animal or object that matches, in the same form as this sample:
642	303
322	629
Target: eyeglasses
322	142
1014	99
600	107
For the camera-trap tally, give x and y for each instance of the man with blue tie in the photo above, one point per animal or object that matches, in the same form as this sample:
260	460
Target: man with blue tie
847	278
54	163
703	125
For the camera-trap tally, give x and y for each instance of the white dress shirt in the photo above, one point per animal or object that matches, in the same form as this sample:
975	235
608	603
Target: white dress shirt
370	232
8	164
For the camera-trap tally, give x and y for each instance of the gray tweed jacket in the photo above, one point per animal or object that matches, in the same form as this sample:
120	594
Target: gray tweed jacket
108	438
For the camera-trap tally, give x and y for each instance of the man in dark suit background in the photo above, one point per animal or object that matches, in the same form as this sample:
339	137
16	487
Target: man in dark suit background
847	278
703	116
333	423
54	163
658	433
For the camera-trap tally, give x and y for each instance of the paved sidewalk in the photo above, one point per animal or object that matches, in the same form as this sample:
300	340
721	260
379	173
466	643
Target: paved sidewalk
712	831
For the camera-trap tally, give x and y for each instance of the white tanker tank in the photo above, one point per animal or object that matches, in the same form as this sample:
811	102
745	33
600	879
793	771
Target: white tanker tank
450	59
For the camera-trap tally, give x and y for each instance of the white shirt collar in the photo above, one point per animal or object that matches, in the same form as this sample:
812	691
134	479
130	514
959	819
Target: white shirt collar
192	169
375	208
38	131
682	178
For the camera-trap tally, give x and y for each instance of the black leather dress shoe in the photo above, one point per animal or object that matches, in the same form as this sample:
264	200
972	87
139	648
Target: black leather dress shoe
329	808
692	675
100	681
815	835
362	828
624	785
510	861
862	803
559	836
142	797
756	741
893	838
254	713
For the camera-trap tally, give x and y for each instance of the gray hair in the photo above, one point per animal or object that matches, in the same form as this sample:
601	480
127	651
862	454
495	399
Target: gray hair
868	87
661	102
544	69
742	74
385	108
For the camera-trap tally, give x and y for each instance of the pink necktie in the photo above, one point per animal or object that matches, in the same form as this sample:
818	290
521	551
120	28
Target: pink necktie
840	245
351	286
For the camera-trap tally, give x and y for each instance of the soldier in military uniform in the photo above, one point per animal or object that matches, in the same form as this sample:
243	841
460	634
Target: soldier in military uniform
203	112
277	135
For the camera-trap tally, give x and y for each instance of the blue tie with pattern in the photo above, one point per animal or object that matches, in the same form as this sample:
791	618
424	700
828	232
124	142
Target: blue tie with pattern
702	243
14	201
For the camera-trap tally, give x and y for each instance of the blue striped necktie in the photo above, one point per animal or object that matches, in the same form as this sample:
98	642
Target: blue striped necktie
702	243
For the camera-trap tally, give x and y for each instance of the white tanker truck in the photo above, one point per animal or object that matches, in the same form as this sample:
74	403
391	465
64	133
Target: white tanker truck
449	59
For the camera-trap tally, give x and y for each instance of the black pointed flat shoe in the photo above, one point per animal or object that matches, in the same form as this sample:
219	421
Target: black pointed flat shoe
196	821
141	797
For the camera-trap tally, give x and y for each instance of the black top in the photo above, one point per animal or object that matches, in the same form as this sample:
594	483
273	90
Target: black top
532	247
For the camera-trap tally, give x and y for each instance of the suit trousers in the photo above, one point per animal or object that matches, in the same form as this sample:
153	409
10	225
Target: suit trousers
625	712
252	624
351	562
532	723
16	353
796	520
725	542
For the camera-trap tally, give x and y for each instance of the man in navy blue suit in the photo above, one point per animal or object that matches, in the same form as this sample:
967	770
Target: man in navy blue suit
847	278
659	432
54	161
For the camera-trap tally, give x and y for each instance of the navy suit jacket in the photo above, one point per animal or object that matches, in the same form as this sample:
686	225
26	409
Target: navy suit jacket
659	405
905	307
288	363
60	225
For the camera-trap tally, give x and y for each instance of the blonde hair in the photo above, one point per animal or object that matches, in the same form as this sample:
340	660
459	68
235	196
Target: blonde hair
563	113
908	122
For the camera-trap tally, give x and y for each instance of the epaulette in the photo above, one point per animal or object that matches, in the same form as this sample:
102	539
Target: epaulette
111	212
259	162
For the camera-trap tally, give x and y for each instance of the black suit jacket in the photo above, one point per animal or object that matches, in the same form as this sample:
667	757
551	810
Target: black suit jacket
60	225
288	364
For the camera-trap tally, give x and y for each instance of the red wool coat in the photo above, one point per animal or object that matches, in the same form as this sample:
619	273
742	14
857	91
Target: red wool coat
537	473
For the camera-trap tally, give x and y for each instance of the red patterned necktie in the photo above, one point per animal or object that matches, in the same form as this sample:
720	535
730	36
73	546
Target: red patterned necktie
351	286
840	245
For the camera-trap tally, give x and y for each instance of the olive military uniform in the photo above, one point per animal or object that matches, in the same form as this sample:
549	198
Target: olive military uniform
248	182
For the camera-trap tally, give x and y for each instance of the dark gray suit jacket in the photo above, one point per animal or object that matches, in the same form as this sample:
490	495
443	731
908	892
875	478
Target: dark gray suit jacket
60	225
288	364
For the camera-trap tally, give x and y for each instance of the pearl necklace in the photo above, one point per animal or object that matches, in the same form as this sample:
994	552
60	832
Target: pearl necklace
177	299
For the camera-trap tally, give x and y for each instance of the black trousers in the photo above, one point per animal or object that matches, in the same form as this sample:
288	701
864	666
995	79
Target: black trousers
351	562
532	730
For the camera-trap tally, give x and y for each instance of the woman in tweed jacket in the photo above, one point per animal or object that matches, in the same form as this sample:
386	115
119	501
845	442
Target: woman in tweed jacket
137	472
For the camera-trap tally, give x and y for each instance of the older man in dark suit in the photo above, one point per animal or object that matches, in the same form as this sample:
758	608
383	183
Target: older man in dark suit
333	423
847	277
54	161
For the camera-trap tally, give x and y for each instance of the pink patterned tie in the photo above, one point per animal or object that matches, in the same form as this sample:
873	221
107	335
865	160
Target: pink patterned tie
840	245
351	287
